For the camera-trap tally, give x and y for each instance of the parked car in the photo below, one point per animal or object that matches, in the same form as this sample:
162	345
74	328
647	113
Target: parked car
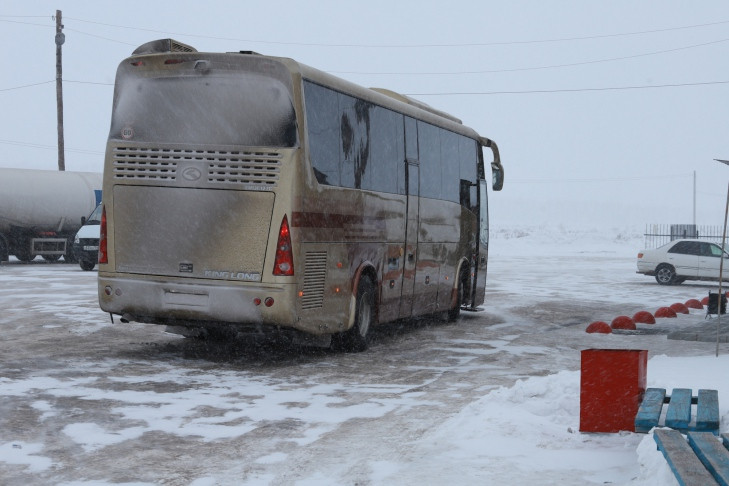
86	242
682	260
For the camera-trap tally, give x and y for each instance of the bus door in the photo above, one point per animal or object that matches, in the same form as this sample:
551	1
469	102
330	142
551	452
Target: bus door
481	261
410	249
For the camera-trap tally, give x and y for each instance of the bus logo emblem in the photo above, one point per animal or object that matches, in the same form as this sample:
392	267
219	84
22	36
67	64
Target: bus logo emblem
191	173
127	133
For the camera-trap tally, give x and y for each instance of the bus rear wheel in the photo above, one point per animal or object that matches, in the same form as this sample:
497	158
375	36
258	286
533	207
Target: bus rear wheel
357	339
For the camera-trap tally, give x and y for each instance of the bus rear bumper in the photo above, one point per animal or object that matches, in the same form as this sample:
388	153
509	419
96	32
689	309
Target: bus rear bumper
197	305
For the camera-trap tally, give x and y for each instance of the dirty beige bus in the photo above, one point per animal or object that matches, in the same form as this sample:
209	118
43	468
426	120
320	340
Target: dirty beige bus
256	194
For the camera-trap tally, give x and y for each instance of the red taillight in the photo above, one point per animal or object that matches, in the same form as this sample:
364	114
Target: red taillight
174	61
284	264
640	255
103	257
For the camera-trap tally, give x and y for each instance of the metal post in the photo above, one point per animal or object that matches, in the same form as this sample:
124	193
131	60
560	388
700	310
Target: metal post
721	270
60	39
721	263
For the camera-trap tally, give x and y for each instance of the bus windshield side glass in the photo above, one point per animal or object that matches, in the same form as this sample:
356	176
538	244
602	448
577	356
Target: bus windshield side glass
241	108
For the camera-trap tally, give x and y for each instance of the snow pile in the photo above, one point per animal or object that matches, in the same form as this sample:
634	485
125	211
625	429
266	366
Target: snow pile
531	430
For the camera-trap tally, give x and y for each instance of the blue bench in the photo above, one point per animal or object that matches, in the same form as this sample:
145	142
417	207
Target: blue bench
703	460
678	415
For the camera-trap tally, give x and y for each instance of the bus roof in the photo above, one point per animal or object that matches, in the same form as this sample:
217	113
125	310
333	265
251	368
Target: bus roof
380	96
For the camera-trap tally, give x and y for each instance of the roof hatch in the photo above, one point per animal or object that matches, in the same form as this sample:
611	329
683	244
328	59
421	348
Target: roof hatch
162	45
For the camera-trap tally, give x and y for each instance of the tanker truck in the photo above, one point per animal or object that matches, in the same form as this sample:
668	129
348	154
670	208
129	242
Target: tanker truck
41	210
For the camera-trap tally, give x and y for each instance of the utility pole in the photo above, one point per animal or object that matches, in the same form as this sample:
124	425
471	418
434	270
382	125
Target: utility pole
60	39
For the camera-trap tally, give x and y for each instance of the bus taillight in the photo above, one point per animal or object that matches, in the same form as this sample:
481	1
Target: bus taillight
284	264
103	256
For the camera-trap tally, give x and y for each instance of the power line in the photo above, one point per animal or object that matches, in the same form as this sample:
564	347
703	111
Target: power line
101	37
26	23
534	68
569	90
53	81
49	147
462	93
388	46
599	179
87	82
27	85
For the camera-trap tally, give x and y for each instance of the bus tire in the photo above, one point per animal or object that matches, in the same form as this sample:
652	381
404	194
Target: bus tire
461	290
357	339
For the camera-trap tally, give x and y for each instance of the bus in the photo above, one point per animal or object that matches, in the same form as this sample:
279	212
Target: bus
256	194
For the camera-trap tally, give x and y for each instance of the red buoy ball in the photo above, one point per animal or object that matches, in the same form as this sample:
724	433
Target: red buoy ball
694	304
600	327
623	322
679	308
665	312
644	317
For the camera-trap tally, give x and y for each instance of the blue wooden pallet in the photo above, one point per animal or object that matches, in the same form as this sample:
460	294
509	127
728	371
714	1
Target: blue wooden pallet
703	460
678	415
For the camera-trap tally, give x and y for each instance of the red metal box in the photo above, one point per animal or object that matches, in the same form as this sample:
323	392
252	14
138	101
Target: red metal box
612	384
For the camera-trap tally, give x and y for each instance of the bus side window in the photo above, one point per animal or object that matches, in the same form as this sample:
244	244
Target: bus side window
430	171
468	151
323	128
385	172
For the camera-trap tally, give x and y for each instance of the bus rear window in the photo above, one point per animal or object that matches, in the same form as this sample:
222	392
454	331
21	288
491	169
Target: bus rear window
228	107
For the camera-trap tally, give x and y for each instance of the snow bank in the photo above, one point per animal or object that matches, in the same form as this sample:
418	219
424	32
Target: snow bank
531	430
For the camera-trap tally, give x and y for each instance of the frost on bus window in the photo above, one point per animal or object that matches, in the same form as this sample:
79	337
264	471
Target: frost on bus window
355	146
228	108
322	108
449	166
386	170
430	161
354	143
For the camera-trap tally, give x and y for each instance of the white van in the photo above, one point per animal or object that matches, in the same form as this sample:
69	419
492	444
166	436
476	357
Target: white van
86	242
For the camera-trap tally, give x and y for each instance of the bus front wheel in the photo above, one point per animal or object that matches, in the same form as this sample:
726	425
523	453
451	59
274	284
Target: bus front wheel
456	311
357	338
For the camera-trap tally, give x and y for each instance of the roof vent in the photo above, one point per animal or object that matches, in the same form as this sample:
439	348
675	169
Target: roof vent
162	45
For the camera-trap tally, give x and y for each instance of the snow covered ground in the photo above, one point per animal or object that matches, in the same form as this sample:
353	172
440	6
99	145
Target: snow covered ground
491	399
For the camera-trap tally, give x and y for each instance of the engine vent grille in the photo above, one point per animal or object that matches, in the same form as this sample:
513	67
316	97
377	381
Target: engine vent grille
144	163
220	168
315	275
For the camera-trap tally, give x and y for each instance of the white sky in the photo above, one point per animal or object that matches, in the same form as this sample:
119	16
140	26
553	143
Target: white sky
583	156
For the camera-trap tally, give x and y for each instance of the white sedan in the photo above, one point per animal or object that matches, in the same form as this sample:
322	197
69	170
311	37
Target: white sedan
682	260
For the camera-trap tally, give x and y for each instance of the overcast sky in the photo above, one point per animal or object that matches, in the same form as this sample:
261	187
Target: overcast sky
603	111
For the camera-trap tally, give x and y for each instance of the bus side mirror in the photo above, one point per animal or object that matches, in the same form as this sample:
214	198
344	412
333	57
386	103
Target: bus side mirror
497	170
497	177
